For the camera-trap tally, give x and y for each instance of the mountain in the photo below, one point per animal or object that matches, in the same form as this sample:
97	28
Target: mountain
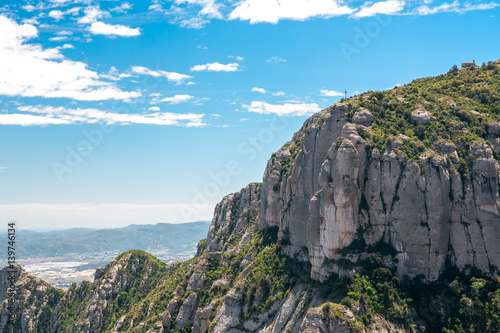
177	237
380	215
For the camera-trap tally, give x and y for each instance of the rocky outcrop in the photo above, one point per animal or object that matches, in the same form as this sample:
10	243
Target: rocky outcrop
31	297
232	215
421	116
336	191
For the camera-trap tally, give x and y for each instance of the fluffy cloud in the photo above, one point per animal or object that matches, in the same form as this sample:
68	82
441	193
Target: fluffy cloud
216	67
331	93
100	28
122	8
48	115
260	90
210	8
177	99
383	7
287	109
28	70
92	14
170	76
56	14
272	11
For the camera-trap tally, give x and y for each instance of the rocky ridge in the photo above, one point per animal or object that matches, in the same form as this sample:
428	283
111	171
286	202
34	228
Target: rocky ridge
360	217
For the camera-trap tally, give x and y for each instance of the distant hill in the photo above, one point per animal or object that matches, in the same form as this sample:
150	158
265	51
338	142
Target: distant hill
176	237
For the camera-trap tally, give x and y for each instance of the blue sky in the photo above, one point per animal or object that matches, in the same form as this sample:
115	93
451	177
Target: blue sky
115	113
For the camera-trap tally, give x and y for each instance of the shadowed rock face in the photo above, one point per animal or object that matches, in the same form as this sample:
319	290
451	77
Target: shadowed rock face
336	191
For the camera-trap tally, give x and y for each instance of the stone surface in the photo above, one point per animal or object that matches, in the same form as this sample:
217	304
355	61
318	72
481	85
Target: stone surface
421	116
335	193
363	117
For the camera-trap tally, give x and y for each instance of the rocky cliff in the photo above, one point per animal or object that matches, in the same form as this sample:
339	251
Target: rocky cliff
360	224
331	187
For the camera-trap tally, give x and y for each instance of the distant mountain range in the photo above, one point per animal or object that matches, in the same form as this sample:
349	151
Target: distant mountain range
177	237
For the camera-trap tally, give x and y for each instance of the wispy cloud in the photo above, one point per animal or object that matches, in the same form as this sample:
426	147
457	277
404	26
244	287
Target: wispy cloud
238	58
216	67
101	28
49	115
198	13
331	93
382	7
92	14
122	8
286	109
260	90
276	59
170	76
177	99
453	7
29	70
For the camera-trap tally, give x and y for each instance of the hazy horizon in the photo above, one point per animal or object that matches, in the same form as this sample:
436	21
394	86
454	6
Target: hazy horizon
115	113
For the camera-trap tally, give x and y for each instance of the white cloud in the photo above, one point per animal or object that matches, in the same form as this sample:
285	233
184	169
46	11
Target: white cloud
27	69
210	8
287	109
56	14
279	93
100	28
155	7
190	83
177	99
331	93
154	108
276	59
272	11
260	90
29	8
194	23
92	14
216	67
171	76
114	74
382	7
122	8
238	58
64	33
3	169
58	39
30	120
455	7
66	46
49	115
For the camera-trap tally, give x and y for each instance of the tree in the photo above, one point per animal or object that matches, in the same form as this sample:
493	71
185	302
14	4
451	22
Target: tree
454	69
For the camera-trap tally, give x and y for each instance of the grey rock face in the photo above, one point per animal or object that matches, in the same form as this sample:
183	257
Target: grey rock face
241	204
335	192
363	117
186	312
421	116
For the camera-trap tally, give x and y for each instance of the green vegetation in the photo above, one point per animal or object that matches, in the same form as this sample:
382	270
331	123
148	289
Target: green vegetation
251	264
463	104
